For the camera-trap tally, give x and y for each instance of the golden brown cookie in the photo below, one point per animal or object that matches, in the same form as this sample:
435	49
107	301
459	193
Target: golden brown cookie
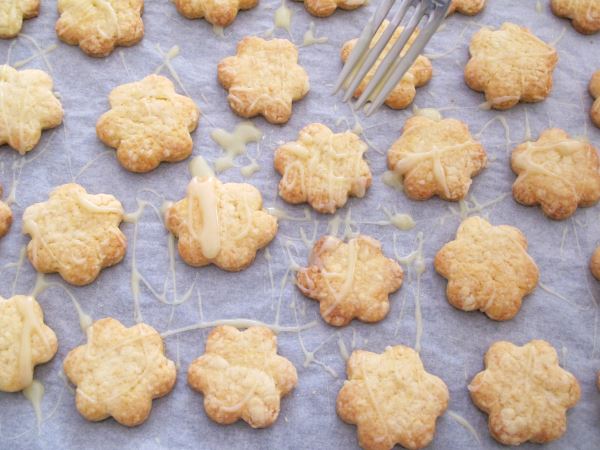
241	376
25	341
75	234
466	7
391	399
584	14
119	371
28	106
487	268
325	8
350	280
436	157
322	168
595	93
98	26
417	75
12	13
148	123
220	223
595	263
217	12
557	172
510	65
525	392
5	216
263	78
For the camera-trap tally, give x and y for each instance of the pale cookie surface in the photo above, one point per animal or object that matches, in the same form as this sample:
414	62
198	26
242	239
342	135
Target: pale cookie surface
584	14
322	168
241	376
148	123
325	8
595	263
75	233
350	280
525	392
557	172
417	75
436	157
12	13
220	223
263	78
510	65
5	216
218	12
594	88
487	268
467	7
98	26
25	341
28	106
119	371
391	399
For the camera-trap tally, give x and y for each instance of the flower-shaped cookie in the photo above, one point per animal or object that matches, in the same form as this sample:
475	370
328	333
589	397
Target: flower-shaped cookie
350	280
557	172
525	392
325	8
28	106
391	399
119	372
25	341
436	157
242	376
98	26
595	263
467	7
595	93
220	223
322	168
75	233
12	13
510	65
584	14
220	13
488	268
263	78
148	123
5	217
417	75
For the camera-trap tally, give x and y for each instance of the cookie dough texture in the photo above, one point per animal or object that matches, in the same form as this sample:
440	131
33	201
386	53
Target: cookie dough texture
28	106
595	264
98	26
417	75
525	392
584	14
322	168
466	7
391	399
487	268
595	93
263	78
25	341
220	223
510	65
242	376
325	8
557	172
436	157
217	12
12	13
350	280
148	123
119	371
75	234
5	217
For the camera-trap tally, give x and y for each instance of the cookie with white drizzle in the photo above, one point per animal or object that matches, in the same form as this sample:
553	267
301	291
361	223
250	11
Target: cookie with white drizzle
466	7
584	14
12	13
219	13
594	88
595	264
325	8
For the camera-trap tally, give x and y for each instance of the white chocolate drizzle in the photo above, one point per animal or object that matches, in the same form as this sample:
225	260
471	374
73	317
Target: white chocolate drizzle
234	145
202	195
310	37
35	393
31	324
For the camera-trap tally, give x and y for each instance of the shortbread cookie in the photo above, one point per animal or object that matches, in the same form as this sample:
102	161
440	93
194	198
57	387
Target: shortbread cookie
119	372
584	14
220	223
148	123
510	65
75	234
350	280
98	26
525	392
557	172
12	13
322	168
28	106
595	92
487	268
241	376
263	78
417	75
25	342
391	399
325	8
5	216
220	13
595	263
466	7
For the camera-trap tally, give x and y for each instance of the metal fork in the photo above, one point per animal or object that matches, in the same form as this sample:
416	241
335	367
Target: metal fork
393	67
